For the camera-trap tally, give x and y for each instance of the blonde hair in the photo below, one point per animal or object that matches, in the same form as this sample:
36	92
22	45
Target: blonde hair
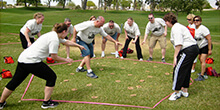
59	27
38	15
92	18
190	16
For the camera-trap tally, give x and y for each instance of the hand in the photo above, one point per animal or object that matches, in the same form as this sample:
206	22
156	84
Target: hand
29	44
133	42
210	52
69	60
126	37
118	43
174	62
82	48
143	43
165	34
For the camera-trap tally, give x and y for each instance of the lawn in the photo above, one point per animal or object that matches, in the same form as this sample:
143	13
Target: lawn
128	82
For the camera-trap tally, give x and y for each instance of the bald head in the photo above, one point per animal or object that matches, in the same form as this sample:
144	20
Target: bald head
99	21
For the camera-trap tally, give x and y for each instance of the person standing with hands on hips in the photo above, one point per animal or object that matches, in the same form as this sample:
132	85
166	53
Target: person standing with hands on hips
31	61
83	34
158	30
204	41
30	29
185	52
132	32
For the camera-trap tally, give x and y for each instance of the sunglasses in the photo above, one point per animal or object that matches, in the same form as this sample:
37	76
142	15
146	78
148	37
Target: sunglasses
196	20
111	26
188	19
151	18
69	24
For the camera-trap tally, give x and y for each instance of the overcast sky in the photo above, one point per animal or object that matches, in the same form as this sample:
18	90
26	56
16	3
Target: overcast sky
78	2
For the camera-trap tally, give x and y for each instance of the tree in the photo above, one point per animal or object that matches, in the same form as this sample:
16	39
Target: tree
84	2
90	3
125	3
31	2
71	4
217	3
48	3
154	3
62	2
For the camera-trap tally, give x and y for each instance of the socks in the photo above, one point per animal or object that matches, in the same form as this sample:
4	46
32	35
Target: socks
89	71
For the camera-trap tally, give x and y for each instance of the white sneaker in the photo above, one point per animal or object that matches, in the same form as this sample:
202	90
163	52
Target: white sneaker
122	57
103	55
141	59
116	55
175	96
192	71
93	55
185	94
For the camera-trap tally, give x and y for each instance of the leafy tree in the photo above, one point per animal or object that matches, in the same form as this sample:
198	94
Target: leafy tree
62	2
3	4
84	2
31	2
71	4
217	3
90	3
125	3
154	3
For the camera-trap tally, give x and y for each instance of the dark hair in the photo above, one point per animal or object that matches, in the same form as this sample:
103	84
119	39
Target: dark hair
92	18
199	17
170	17
111	21
59	27
151	14
131	18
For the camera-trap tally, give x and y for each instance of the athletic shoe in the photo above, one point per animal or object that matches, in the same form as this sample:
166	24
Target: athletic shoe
93	55
92	75
200	78
80	70
150	59
116	55
163	60
122	57
103	55
192	71
205	75
175	96
185	94
2	105
49	104
141	59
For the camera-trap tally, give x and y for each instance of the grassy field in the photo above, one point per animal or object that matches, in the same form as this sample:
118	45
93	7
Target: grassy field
120	81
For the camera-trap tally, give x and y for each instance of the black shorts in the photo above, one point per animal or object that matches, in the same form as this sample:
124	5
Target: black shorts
66	38
204	50
24	42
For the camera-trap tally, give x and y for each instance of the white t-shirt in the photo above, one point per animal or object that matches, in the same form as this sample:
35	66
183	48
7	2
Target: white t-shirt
133	30
87	31
112	31
157	28
180	35
46	44
192	26
200	33
70	29
32	26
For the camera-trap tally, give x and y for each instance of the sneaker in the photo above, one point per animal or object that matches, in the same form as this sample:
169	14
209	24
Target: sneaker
116	55
205	75
192	71
2	105
103	55
150	59
92	75
49	104
163	60
93	55
185	94
200	78
175	96
122	57
80	70
141	59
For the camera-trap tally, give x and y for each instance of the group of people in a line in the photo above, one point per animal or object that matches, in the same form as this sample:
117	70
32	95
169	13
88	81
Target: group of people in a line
187	46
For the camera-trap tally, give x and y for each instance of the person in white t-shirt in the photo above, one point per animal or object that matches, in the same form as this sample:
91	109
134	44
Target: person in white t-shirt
112	29
191	28
84	33
67	21
93	18
203	38
158	30
132	32
30	29
185	52
31	61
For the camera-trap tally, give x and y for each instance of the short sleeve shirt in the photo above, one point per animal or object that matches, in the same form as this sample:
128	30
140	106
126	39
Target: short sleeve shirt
180	35
112	31
133	30
46	44
201	33
157	28
87	31
32	26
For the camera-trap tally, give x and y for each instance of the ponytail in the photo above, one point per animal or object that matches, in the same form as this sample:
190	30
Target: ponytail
59	27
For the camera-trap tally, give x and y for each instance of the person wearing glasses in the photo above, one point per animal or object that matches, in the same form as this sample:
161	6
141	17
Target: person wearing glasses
186	50
158	30
30	29
203	38
112	29
191	28
132	31
67	21
83	34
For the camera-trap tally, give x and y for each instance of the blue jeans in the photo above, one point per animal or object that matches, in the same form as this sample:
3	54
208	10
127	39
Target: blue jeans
88	47
113	36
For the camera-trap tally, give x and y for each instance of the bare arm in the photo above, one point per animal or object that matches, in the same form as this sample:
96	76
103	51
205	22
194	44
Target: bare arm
208	37
177	50
74	35
58	58
113	40
71	43
38	34
145	38
27	36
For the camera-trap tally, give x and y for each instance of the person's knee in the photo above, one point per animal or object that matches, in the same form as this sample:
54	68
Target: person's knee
51	81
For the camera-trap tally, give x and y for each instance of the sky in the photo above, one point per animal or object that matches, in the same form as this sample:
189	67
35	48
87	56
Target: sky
78	2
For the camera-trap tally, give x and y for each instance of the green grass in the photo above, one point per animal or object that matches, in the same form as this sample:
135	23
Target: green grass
203	95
